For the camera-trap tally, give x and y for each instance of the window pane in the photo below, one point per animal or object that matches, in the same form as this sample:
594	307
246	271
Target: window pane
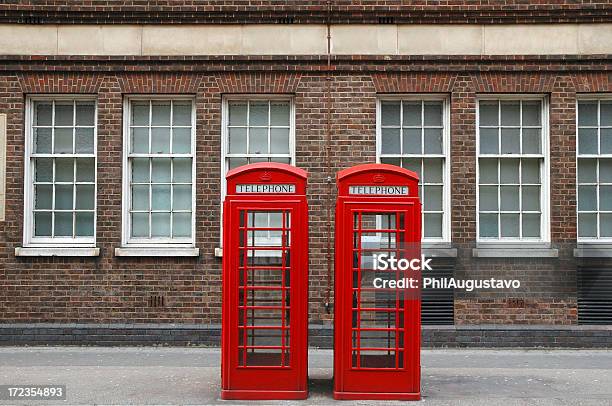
488	198
587	140
488	225
160	224
510	141
390	113
160	170
63	197
140	225
258	141
412	114
182	197
63	141
587	171
85	170
587	198
63	224
160	197
433	114
44	170
181	140
238	114
160	113
605	197
531	141
432	170
412	164
587	225
182	169
84	141
140	113
140	170
433	141
488	170
42	113
432	225
140	140
64	170
587	114
530	171
64	114
531	198
391	141
391	161
236	162
85	197
605	113
605	170
433	198
509	198
181	224
237	140
160	140
510	114
84	224
412	141
531	113
85	114
605	225
531	225
42	139
140	197
42	224
279	114
181	113
488	113
489	141
509	171
43	198
605	146
279	141
510	225
258	114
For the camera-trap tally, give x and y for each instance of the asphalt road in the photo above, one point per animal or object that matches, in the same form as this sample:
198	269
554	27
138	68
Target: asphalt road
160	375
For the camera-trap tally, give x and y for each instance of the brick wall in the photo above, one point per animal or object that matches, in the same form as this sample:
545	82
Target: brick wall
303	11
112	289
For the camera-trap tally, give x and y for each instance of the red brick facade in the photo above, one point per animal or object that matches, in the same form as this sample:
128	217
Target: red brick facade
113	289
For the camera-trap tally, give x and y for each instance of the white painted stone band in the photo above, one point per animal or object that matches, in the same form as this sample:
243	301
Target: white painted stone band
302	39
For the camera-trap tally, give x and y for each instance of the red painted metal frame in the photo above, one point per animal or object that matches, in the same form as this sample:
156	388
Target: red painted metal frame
286	377
401	379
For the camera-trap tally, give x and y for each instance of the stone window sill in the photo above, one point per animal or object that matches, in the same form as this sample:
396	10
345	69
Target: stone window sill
438	250
530	250
593	250
57	251
157	252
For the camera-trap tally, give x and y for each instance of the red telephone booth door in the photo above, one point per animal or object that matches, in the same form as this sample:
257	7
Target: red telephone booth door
265	289
377	327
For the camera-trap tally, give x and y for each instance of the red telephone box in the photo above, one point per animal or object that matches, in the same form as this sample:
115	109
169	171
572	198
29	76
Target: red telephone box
377	327
265	283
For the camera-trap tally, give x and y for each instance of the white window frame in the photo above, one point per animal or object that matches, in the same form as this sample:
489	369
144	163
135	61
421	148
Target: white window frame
445	156
544	171
591	98
29	240
225	135
163	242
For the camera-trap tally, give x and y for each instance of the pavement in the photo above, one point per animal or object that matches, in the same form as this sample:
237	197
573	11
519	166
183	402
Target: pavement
163	376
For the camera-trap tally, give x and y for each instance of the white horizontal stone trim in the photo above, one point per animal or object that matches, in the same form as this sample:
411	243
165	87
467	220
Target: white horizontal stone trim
306	39
594	250
157	252
57	252
515	253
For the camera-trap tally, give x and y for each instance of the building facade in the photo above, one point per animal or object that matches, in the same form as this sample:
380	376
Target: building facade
120	122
